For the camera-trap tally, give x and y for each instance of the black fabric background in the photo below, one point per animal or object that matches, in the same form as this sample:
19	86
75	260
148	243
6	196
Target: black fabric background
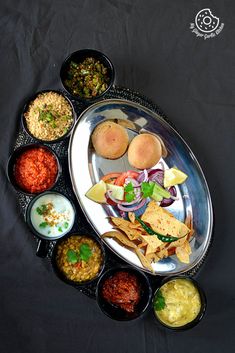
193	81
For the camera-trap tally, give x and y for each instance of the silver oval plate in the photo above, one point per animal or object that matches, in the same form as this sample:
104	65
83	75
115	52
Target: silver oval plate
86	169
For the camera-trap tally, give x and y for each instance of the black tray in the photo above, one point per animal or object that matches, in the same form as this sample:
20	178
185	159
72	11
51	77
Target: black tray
64	184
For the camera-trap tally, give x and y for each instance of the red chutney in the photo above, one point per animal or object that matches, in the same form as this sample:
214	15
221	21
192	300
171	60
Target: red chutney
36	170
123	290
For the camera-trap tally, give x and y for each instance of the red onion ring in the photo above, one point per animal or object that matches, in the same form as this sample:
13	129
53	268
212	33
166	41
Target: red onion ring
157	175
168	202
143	176
134	182
119	202
134	208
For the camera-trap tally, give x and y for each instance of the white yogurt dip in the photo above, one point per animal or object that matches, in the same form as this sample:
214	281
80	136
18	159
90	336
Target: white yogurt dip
52	215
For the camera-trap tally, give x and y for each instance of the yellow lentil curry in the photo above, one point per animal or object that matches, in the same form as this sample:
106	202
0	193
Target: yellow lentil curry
79	258
177	303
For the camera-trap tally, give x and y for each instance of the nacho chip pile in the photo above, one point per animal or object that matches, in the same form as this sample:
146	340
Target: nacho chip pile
149	248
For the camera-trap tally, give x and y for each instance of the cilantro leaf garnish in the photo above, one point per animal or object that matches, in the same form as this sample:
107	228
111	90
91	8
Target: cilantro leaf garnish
66	225
147	189
130	196
38	209
85	252
129	187
43	225
60	229
72	256
129	192
41	210
159	302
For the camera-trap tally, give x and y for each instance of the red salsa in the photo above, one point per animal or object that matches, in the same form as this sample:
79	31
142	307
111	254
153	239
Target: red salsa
123	290
36	170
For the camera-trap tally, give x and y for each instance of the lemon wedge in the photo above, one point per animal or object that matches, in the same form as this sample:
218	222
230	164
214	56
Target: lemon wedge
97	192
173	176
117	191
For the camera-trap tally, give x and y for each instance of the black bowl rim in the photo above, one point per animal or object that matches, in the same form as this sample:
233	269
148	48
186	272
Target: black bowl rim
94	51
61	276
25	108
125	268
201	313
19	150
28	209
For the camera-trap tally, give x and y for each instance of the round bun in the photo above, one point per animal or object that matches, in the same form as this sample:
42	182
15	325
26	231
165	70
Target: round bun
110	140
145	151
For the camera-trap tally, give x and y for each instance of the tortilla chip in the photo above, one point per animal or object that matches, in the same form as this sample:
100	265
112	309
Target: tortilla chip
190	234
138	227
124	225
120	237
188	221
148	247
132	234
163	222
183	252
142	245
152	257
153	243
131	216
145	262
162	253
177	243
171	251
120	222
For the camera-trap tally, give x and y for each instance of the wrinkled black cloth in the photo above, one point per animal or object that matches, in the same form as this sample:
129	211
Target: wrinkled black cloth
155	52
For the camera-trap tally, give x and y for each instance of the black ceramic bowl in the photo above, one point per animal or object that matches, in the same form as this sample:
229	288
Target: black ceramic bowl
28	217
26	107
115	312
197	318
62	276
44	241
78	57
11	166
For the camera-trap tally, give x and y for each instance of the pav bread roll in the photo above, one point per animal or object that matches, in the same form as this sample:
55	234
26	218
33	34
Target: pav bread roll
110	140
145	151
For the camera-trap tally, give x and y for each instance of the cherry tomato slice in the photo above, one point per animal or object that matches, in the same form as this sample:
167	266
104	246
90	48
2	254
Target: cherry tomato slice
132	174
129	174
121	179
110	176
